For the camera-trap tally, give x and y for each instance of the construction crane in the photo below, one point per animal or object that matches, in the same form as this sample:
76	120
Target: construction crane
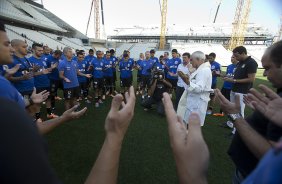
279	37
163	24
96	4
240	23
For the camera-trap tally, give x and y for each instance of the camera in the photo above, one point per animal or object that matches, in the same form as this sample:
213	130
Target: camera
158	74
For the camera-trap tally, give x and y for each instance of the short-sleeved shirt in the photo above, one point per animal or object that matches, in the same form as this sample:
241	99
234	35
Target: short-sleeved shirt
54	75
115	60
185	70
40	81
44	57
215	67
244	68
147	66
8	91
108	64
25	67
89	58
159	66
70	71
125	68
82	66
139	63
229	73
242	157
172	65
154	59
98	67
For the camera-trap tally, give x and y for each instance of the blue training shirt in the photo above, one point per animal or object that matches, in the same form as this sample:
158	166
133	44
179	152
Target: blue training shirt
154	59
82	66
215	66
160	66
115	60
139	63
229	73
147	66
8	91
54	75
125	68
98	67
40	81
172	65
70	71
25	67
108	70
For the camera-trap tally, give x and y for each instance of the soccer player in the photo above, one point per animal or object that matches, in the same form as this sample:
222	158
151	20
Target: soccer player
172	65
97	67
108	74
146	68
90	56
46	53
68	72
115	63
139	73
216	70
125	68
41	79
152	56
82	66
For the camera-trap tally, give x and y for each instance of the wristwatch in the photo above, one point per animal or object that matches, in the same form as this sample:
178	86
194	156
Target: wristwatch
233	117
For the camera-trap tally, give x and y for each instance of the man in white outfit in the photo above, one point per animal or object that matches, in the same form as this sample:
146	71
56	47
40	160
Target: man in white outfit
197	87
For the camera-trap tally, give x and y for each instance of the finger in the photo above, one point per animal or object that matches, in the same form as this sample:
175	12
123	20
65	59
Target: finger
34	91
181	123
122	104
220	97
258	95
116	103
169	110
269	93
132	97
259	107
237	101
194	125
81	112
126	95
42	92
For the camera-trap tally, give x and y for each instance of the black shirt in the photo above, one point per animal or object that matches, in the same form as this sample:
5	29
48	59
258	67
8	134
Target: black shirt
23	157
242	157
244	68
159	90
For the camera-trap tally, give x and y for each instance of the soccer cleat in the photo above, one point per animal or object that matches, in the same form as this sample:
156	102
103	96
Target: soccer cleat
52	116
108	92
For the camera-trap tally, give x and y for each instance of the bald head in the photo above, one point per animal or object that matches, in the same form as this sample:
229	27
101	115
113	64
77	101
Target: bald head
20	47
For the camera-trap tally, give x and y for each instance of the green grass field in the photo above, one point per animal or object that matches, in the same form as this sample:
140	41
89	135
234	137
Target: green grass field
146	154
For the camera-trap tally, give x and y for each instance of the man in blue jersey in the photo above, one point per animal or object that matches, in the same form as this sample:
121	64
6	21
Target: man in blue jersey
146	68
97	67
227	86
125	68
90	56
46	53
172	65
108	74
152	56
68	72
83	66
41	79
160	65
55	80
139	73
115	63
216	70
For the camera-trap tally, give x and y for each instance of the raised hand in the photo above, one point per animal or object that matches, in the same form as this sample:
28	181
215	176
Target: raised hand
67	80
88	75
190	150
54	65
227	106
71	114
40	97
118	119
270	104
13	70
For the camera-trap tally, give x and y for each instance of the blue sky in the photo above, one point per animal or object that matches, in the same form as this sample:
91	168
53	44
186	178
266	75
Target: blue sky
147	12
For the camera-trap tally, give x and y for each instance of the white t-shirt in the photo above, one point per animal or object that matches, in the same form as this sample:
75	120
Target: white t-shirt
185	70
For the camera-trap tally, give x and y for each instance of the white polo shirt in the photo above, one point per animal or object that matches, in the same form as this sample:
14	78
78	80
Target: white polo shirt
185	70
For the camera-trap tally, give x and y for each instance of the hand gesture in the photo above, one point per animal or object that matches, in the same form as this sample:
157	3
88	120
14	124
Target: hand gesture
67	80
45	71
13	70
189	148
27	76
227	106
72	114
35	68
269	105
54	65
40	97
118	119
88	75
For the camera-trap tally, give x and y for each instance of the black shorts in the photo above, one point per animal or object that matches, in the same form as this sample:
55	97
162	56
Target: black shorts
226	93
126	82
109	81
83	86
71	93
55	85
139	78
146	79
98	83
173	82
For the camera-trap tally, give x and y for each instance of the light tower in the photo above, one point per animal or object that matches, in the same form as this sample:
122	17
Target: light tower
97	18
163	25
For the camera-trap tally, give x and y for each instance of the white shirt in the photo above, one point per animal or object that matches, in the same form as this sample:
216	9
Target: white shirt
185	70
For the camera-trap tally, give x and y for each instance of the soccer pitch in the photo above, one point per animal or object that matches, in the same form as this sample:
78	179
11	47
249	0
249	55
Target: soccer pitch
146	155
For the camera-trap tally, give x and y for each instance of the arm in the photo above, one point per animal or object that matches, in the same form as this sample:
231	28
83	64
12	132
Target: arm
251	78
20	78
190	151
43	72
84	75
105	169
152	88
46	126
257	144
199	85
61	75
168	84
